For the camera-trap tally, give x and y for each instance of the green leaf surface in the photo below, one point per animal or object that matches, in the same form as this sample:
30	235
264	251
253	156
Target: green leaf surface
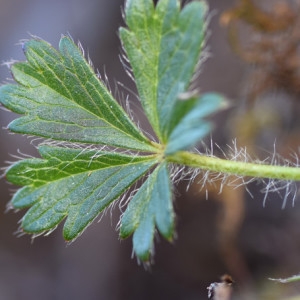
163	45
190	126
151	206
62	98
72	183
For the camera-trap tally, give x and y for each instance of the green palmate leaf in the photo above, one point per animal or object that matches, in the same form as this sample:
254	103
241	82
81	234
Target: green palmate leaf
188	126
62	98
163	45
151	206
72	183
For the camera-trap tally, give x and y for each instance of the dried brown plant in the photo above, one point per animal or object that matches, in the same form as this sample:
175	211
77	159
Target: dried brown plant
269	40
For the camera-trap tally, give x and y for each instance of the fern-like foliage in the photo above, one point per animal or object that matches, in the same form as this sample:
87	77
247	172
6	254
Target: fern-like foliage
60	98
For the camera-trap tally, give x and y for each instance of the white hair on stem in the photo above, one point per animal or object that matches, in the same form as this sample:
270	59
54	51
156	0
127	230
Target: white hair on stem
286	189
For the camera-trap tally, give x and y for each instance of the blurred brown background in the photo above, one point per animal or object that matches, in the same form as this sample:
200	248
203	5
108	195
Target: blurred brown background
230	232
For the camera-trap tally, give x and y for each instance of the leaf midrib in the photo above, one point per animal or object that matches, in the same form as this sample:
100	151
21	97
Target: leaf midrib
148	159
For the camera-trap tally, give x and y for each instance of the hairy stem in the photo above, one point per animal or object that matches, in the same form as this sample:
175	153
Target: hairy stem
235	167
